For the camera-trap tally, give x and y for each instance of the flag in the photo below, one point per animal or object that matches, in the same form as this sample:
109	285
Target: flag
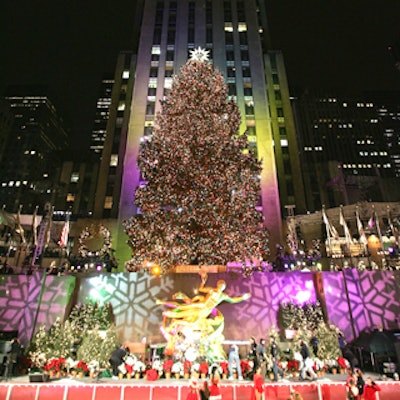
392	227
360	227
371	221
49	225
7	219
64	234
378	228
330	229
342	222
34	226
19	229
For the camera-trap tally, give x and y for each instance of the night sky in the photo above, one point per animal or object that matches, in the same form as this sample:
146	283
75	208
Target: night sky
337	45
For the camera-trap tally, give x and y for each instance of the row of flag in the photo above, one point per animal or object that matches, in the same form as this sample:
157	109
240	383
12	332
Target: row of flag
373	224
14	223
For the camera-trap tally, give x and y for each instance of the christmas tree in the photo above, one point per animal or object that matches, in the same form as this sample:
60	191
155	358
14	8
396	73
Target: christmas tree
198	203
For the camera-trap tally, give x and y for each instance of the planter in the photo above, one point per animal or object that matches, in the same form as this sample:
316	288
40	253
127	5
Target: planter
186	376
177	375
334	371
168	375
39	377
203	376
137	375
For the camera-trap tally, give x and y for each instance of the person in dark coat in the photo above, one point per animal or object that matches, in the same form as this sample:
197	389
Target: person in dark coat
307	361
14	354
117	358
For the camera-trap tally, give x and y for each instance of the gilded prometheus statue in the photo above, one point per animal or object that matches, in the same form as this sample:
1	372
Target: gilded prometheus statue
195	323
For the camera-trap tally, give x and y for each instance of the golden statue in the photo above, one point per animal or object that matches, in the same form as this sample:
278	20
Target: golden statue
196	321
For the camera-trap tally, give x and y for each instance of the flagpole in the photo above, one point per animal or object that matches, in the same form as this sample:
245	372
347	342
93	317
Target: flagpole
346	230
362	237
393	229
328	234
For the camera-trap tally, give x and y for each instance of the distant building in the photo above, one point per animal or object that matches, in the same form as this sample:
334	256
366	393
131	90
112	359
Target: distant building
112	158
6	121
102	115
30	163
77	188
349	148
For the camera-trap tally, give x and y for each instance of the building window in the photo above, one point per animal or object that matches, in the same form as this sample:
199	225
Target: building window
247	89
150	108
74	177
242	27
157	36
243	38
231	72
209	35
171	36
244	54
232	89
228	27
125	74
228	38
114	160
230	55
169	72
70	198
246	72
108	202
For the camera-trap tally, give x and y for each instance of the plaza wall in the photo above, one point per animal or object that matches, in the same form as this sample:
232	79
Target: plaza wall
354	300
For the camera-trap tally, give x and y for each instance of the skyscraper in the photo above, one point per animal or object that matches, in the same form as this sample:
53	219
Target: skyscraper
349	147
102	115
235	32
30	164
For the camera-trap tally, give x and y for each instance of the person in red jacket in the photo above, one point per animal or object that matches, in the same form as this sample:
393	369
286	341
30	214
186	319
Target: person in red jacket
370	389
194	393
215	393
258	388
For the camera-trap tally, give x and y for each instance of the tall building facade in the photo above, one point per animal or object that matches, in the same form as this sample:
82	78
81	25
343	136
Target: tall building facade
112	165
102	115
235	32
31	163
6	121
349	148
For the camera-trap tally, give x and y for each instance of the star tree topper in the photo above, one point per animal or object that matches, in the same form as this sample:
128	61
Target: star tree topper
199	54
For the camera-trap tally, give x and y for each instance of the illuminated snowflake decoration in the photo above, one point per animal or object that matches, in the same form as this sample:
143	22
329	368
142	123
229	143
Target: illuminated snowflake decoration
199	54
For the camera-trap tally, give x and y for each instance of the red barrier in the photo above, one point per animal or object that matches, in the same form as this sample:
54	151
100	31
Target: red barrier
51	392
235	391
81	392
23	392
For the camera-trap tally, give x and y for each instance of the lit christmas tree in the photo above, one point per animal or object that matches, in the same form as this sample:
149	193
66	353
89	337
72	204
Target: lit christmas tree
202	184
